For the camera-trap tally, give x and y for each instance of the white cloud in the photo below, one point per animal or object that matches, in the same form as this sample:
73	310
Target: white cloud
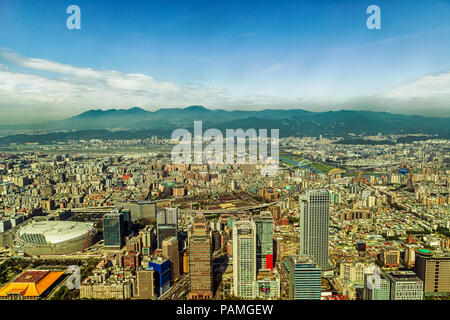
61	86
70	86
47	88
274	68
428	86
428	95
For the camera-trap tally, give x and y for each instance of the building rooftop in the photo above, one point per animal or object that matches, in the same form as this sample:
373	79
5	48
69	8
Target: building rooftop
31	283
303	259
403	276
56	231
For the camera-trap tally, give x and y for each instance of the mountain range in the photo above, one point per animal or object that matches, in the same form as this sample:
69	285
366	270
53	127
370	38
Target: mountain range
139	123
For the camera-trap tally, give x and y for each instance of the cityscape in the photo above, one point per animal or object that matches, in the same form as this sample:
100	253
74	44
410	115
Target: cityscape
195	151
331	219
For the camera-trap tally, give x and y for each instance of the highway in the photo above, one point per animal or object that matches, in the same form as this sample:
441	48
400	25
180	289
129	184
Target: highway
178	290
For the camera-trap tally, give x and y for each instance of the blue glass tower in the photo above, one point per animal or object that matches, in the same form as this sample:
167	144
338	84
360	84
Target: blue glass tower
116	226
305	278
161	266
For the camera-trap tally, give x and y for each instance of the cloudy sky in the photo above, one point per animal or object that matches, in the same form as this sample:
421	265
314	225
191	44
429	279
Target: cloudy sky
315	55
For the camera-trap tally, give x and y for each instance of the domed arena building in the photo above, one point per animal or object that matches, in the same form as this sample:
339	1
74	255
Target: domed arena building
55	237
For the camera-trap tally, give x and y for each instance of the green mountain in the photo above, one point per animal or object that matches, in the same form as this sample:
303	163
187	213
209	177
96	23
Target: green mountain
139	123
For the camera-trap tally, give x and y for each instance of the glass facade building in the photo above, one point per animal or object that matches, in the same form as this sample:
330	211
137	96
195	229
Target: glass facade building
161	266
116	226
305	278
380	291
166	225
314	223
244	258
264	241
404	285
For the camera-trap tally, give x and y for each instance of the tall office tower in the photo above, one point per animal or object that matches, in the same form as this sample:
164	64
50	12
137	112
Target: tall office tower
264	241
378	290
147	240
390	257
200	260
305	278
244	258
410	254
404	285
146	284
314	222
140	209
167	225
161	266
182	240
434	271
170	251
127	224
215	240
116	226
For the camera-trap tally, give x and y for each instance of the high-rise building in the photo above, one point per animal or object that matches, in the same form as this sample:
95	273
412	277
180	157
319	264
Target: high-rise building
161	266
353	271
410	254
314	222
127	222
148	240
434	271
267	285
146	284
244	258
264	241
167	225
170	251
200	260
116	226
215	240
404	285
112	229
390	257
305	278
185	258
377	291
140	209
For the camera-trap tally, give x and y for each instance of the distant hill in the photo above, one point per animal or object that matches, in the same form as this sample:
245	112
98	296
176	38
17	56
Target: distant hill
137	122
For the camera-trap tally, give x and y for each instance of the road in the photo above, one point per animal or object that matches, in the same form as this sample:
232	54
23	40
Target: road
178	289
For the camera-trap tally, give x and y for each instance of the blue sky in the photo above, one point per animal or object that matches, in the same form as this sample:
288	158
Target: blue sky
316	55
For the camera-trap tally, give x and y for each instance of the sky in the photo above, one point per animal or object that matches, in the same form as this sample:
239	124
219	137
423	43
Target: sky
313	55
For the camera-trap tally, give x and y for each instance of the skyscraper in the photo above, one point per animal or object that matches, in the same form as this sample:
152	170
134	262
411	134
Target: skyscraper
244	258
404	285
170	251
200	260
264	241
305	278
314	222
434	271
116	226
378	291
146	284
167	225
148	240
161	266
